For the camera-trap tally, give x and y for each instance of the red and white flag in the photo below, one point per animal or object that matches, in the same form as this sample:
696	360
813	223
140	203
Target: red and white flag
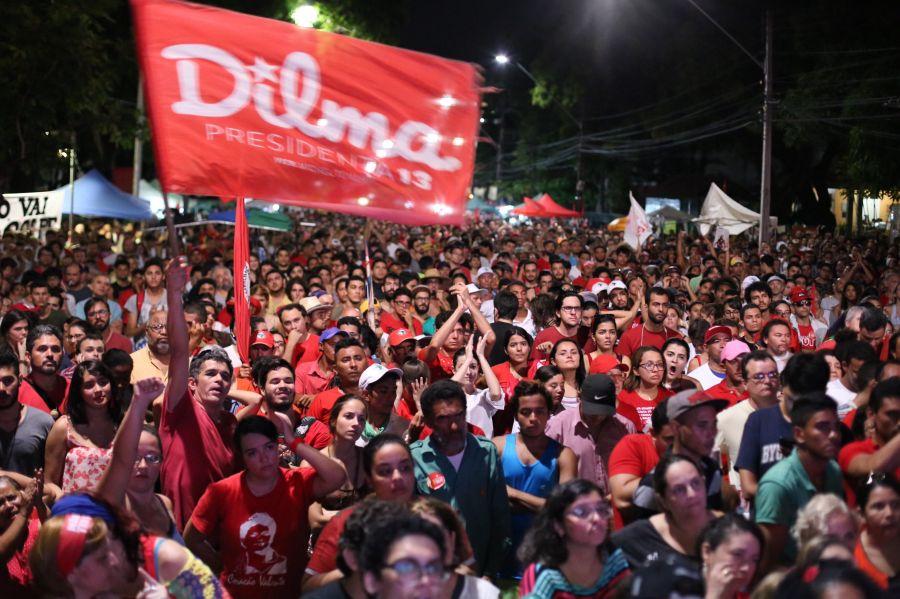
241	281
638	228
242	106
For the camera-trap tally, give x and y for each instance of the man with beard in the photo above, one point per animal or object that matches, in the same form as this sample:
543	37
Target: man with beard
153	360
274	379
75	287
318	315
618	295
349	362
23	429
44	388
463	470
651	332
98	316
195	428
89	347
99	287
809	470
422	305
278	297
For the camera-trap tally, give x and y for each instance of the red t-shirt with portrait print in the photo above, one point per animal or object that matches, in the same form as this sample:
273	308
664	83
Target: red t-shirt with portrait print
263	540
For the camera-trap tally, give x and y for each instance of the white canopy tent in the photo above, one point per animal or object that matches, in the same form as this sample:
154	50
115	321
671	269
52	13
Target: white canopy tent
720	210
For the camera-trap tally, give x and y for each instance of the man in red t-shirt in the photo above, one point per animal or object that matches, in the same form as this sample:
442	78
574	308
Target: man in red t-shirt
350	361
652	332
44	388
195	428
881	452
569	306
633	457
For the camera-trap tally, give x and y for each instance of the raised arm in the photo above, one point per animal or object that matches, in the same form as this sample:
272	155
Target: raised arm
114	481
330	473
176	279
489	377
440	335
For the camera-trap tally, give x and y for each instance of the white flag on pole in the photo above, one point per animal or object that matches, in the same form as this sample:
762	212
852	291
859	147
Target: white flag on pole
638	229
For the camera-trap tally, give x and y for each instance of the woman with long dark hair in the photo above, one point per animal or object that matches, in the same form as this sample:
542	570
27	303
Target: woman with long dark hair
551	378
568	357
13	331
567	549
79	444
681	494
346	422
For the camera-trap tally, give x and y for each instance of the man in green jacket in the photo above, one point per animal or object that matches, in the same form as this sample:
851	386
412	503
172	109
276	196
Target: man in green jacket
465	471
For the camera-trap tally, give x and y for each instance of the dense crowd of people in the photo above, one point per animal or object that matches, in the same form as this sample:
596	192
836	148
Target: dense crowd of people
537	411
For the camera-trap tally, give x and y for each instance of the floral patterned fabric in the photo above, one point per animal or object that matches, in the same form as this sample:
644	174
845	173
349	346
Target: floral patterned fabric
84	465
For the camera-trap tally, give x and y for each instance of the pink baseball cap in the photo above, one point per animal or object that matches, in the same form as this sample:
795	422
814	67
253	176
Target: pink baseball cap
734	349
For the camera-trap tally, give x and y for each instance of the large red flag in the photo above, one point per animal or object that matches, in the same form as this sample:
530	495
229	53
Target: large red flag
242	106
241	282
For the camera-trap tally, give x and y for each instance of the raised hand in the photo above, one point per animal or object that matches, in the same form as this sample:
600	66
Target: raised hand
177	274
146	390
418	387
482	344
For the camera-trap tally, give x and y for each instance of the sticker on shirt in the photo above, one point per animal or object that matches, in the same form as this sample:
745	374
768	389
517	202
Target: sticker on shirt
436	481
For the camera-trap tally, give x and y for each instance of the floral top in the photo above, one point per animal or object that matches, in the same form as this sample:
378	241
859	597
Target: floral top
84	464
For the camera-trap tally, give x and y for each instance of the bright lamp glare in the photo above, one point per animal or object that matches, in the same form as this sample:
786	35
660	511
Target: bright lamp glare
501	59
305	15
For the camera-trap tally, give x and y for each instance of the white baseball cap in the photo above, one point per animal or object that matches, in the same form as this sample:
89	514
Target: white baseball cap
617	284
375	373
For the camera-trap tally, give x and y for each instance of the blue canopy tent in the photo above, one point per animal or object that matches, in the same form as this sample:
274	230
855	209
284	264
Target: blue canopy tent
96	196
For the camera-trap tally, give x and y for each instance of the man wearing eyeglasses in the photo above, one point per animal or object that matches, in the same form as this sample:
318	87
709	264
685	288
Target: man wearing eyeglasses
153	359
98	316
810	331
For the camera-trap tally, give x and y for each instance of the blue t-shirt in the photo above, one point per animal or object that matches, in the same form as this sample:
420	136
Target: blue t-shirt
761	442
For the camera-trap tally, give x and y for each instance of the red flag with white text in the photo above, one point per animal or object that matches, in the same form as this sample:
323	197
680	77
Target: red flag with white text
241	281
242	106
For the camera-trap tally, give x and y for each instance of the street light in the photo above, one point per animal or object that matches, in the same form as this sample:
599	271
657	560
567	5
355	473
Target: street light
502	60
305	15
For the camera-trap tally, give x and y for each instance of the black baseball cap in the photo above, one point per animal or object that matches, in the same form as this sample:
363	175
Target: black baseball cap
598	395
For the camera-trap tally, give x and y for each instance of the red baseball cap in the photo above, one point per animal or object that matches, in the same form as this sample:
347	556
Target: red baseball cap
718	329
399	336
799	294
264	338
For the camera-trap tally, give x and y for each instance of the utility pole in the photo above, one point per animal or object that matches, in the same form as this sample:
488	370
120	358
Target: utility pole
138	141
765	194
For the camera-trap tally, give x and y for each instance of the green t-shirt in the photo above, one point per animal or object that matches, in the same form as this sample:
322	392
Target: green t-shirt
785	488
